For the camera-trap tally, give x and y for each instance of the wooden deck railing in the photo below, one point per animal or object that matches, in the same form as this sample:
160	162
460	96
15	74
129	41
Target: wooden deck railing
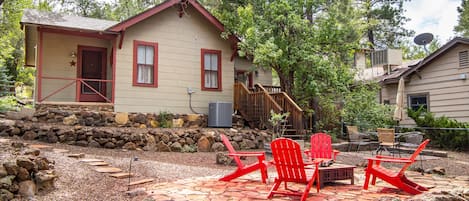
254	106
288	105
272	89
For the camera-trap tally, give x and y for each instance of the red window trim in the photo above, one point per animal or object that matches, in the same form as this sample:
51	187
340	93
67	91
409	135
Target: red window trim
155	64
202	61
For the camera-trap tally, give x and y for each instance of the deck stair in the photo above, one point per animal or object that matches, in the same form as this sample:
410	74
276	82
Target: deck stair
255	106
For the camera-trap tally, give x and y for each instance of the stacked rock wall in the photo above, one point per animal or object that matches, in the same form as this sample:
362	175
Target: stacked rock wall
24	172
151	139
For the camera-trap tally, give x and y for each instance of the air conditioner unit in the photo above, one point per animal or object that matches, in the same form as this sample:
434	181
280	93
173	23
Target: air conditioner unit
388	57
219	114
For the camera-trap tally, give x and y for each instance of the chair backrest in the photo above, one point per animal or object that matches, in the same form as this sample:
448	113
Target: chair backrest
231	150
353	133
414	155
288	160
386	135
321	146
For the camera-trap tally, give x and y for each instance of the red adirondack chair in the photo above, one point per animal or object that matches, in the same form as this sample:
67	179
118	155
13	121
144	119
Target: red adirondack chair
290	168
321	147
242	169
397	179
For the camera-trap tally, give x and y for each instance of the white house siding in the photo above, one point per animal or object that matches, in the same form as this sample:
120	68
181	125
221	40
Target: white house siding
57	49
448	94
180	41
263	77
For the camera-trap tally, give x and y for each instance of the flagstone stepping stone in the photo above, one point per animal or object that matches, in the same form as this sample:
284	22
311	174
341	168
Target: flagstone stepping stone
4	140
107	169
87	160
121	175
60	150
40	146
99	163
140	182
80	155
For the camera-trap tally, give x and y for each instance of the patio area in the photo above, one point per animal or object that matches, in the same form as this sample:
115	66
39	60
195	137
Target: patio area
250	188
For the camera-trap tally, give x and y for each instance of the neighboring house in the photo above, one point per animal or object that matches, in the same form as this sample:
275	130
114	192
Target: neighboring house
439	82
147	63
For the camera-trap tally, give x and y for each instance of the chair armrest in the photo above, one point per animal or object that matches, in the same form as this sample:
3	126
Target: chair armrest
307	153
390	160
390	157
246	154
334	154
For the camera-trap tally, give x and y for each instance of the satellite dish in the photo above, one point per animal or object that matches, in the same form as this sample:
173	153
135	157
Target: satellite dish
423	39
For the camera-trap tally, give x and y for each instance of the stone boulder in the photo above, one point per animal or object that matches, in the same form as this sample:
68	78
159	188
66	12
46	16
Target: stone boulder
70	120
161	146
23	174
218	146
6	195
11	167
178	123
29	135
3	171
122	118
26	163
45	180
130	146
27	189
224	159
176	147
204	144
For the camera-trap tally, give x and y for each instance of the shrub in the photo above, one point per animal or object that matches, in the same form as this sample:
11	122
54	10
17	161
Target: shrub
165	119
362	109
434	128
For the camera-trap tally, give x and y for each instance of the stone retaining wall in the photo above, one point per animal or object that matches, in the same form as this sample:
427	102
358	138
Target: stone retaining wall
99	117
150	139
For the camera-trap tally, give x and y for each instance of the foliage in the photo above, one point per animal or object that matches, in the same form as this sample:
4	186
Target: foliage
165	119
8	103
6	82
362	109
278	121
462	27
412	51
11	36
434	129
385	23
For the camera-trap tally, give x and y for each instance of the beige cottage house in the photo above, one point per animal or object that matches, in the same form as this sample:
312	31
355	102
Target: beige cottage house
147	63
439	82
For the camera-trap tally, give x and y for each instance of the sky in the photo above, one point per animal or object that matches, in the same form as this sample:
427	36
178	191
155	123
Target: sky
436	16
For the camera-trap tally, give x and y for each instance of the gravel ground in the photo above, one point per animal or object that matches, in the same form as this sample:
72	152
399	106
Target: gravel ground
78	181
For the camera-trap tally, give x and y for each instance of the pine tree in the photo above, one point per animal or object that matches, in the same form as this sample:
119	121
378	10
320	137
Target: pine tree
6	82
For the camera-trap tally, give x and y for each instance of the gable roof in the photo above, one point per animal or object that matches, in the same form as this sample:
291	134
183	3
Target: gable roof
35	17
442	50
163	6
411	68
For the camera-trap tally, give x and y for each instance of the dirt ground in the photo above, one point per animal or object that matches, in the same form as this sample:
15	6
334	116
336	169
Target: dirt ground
78	181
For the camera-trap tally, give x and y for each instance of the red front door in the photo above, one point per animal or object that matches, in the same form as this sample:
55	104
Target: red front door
92	68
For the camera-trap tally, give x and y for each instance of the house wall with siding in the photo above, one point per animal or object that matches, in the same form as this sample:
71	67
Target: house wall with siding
448	94
57	49
264	75
180	41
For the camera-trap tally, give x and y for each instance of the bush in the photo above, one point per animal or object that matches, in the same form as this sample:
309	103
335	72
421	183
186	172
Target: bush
165	119
8	103
434	128
363	110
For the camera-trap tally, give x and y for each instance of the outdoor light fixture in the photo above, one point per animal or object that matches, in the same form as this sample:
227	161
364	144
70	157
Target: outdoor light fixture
73	55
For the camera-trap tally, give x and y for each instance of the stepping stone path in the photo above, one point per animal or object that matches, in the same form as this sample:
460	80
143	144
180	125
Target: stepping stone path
98	164
104	167
121	175
141	182
108	170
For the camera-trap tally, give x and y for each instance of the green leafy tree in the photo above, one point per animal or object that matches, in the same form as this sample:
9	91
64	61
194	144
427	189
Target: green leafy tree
385	20
462	28
412	51
362	109
11	36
